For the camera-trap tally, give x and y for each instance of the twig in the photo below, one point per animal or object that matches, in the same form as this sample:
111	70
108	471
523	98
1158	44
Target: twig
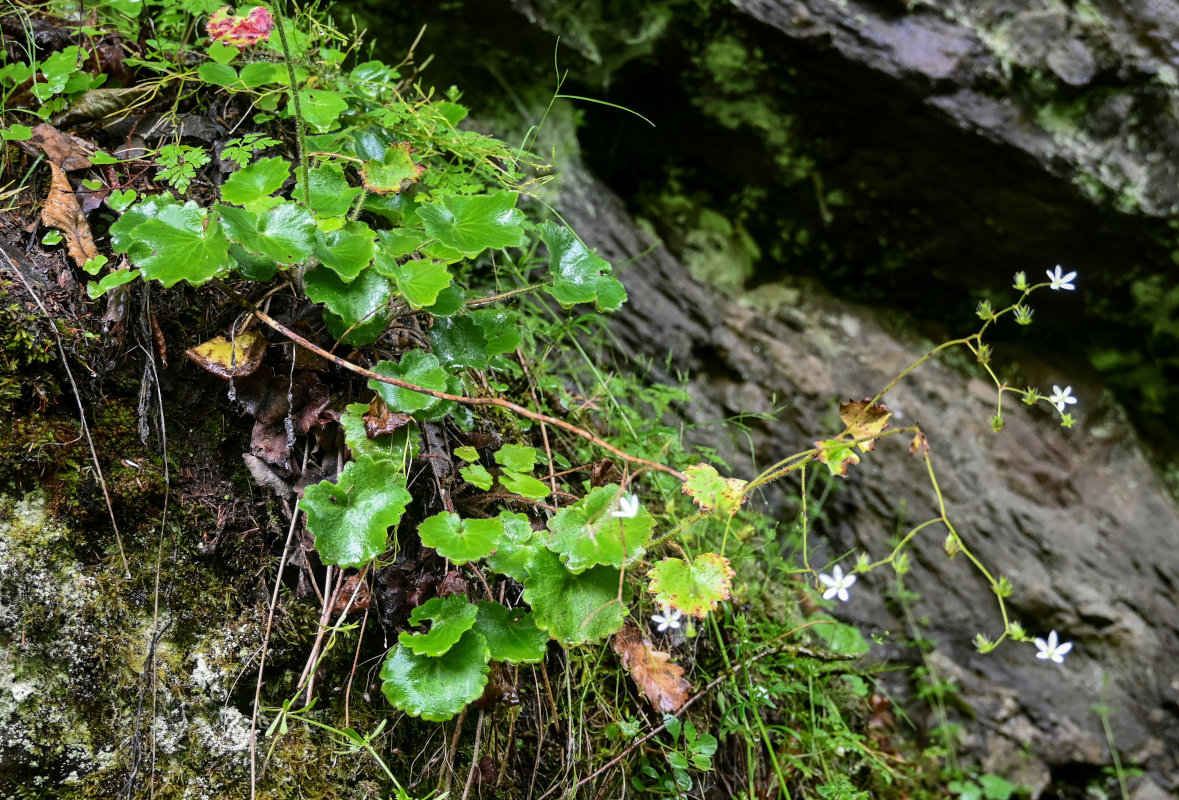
470	401
474	759
81	409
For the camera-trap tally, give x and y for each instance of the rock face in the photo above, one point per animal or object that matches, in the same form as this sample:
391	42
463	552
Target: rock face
1076	519
1087	91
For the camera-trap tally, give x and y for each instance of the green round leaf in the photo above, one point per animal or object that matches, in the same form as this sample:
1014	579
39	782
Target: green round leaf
345	251
217	74
705	486
261	73
283	232
331	196
511	634
693	588
518	457
516	548
501	329
460	540
394	172
419	281
417	367
587	533
350	519
477	475
459	343
260	179
579	276
322	108
364	300
524	485
178	243
451	617
575	609
436	689
473	223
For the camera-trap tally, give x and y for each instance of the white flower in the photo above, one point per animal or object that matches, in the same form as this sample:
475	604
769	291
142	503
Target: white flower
628	506
670	618
1061	397
1051	649
837	584
1060	280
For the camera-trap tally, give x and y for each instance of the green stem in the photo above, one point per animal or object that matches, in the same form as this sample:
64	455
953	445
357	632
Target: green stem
300	125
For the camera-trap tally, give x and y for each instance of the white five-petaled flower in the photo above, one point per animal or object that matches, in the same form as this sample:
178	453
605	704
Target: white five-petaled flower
1051	649
1060	280
628	506
670	618
1061	397
837	584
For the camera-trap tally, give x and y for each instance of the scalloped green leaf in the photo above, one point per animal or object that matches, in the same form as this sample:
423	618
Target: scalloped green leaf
459	343
575	609
364	300
260	179
113	279
501	329
217	74
473	223
178	243
516	548
511	633
252	267
579	276
517	457
347	250
399	446
477	475
587	532
460	540
400	242
394	172
322	108
283	232
331	196
450	301
450	616
417	367
419	281
436	689
260	73
350	519
694	588
709	490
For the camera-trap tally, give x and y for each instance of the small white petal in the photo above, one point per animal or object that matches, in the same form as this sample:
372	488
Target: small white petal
628	506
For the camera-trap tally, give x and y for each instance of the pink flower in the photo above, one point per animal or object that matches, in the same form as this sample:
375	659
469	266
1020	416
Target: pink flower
240	31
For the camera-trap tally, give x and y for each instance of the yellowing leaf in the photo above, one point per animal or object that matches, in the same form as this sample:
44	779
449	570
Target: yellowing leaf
230	359
838	455
694	588
660	680
864	420
710	490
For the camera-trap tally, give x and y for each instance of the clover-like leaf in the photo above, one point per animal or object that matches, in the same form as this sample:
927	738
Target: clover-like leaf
864	420
283	232
579	276
347	250
460	540
575	609
395	172
511	633
399	446
587	533
330	194
451	617
436	689
694	588
177	243
709	490
837	454
417	367
473	223
419	281
459	343
350	518
516	548
260	179
364	301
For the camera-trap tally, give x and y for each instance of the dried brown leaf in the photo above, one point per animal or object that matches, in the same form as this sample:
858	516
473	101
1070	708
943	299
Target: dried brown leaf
380	421
660	680
864	419
230	359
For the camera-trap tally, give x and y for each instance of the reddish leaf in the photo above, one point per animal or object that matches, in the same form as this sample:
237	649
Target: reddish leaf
661	681
240	31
